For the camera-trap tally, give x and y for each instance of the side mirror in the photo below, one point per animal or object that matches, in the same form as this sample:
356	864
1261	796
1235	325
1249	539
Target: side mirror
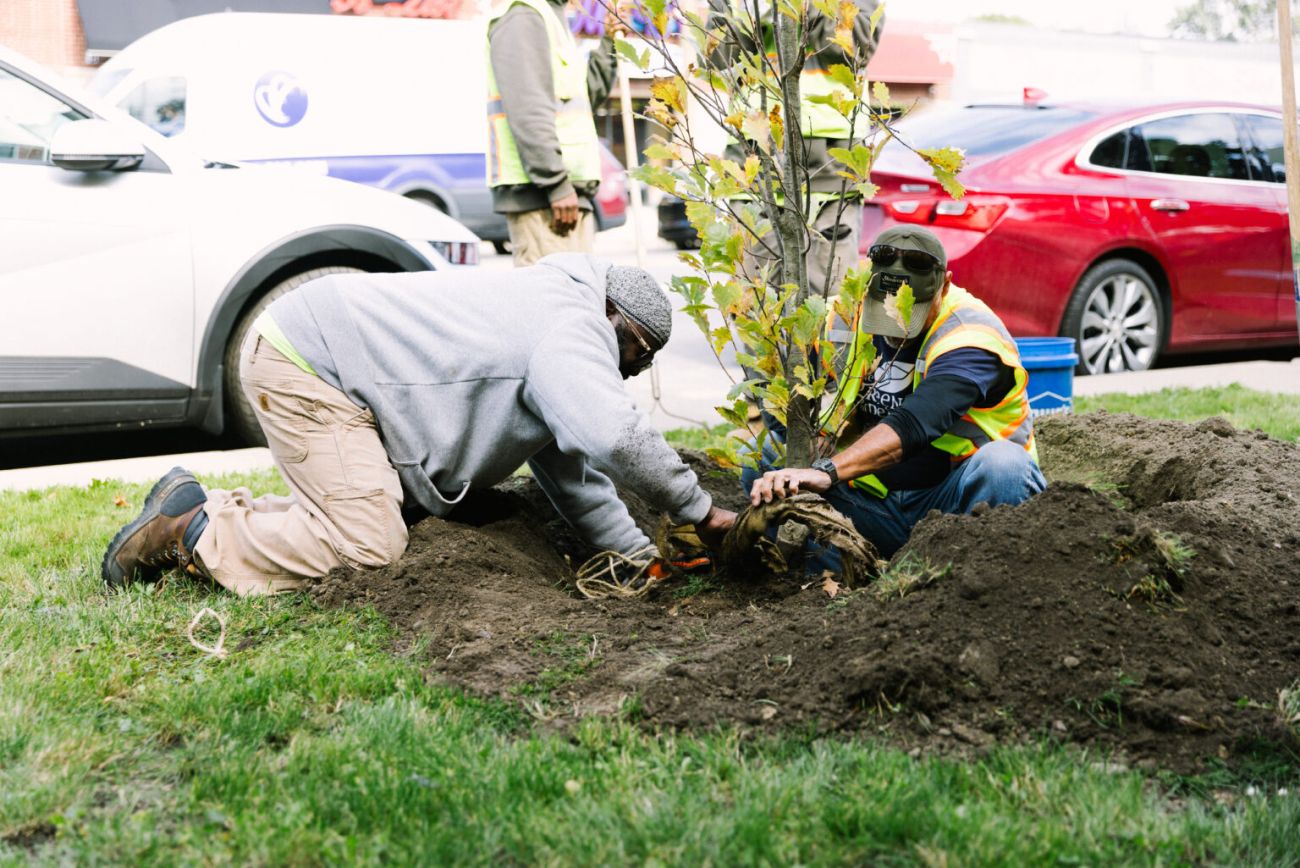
94	145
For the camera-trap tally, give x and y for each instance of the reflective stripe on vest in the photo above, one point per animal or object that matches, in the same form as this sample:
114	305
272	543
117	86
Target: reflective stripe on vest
574	126
965	321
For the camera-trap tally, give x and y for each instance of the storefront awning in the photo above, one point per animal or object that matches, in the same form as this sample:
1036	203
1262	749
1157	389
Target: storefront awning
905	56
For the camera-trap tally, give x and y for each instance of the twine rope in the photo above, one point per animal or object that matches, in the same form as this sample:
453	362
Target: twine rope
218	648
598	577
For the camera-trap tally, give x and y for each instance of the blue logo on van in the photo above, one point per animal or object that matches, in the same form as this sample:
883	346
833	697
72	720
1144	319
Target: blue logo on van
280	99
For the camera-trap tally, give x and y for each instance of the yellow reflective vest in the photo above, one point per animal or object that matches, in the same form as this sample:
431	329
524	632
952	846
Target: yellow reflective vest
963	321
574	125
816	120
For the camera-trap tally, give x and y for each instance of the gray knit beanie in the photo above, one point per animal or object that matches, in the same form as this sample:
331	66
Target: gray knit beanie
639	298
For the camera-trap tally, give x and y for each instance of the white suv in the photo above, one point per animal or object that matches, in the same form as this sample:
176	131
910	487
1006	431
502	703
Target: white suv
130	268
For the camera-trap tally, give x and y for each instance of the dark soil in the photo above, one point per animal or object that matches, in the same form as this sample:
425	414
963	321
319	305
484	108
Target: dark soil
1148	603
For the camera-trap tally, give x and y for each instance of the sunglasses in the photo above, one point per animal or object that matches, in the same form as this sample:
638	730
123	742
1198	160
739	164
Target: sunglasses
647	359
916	261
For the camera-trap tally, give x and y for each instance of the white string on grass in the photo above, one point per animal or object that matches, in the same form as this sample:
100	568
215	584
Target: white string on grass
218	648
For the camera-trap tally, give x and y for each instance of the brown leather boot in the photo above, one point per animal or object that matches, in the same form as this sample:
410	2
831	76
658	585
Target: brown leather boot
156	540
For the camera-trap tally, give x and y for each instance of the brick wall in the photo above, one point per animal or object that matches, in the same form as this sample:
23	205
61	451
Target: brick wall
47	31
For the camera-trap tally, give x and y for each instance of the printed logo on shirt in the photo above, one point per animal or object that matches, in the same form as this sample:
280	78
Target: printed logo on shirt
891	382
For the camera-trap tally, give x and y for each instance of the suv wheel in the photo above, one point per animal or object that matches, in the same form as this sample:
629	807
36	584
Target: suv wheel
239	414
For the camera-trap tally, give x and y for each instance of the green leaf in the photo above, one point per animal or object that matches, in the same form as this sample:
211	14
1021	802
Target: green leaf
737	414
628	52
899	305
727	295
805	325
657	176
841	74
859	161
826	7
881	93
945	163
875	17
720	337
662	151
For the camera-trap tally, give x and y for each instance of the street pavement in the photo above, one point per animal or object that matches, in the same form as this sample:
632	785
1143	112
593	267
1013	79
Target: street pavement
681	390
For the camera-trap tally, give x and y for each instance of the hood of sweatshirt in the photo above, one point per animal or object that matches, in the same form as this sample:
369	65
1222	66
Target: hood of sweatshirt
590	271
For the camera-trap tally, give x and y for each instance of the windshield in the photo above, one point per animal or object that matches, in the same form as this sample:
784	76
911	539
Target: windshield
988	131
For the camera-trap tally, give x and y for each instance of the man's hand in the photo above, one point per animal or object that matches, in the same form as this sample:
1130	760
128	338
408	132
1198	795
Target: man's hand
564	214
715	527
615	16
789	482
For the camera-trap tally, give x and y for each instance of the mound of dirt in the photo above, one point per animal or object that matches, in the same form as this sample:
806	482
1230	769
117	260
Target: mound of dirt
1148	602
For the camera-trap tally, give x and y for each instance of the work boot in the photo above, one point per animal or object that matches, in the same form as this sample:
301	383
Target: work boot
162	536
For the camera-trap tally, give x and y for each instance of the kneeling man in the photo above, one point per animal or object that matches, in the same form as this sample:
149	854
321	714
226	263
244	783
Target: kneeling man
378	390
943	405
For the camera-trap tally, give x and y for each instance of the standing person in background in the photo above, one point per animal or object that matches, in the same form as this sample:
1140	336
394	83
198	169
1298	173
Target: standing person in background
836	213
543	158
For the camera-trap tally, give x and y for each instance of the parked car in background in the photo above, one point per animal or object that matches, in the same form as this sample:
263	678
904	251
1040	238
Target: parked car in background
1135	230
396	103
131	268
673	225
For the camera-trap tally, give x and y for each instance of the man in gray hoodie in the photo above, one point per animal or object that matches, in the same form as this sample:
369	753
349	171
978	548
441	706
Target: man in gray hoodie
379	390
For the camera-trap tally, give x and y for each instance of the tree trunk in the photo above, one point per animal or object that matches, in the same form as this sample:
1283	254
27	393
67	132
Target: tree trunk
792	229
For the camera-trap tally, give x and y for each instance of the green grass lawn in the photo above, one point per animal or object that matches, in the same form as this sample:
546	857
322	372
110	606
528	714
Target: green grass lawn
313	743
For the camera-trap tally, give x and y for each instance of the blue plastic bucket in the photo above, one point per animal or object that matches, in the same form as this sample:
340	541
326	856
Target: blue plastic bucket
1050	363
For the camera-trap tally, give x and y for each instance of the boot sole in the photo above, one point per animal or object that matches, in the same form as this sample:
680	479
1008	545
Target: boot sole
109	570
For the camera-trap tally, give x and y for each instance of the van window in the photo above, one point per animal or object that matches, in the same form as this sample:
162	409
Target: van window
1199	145
158	102
28	118
1266	154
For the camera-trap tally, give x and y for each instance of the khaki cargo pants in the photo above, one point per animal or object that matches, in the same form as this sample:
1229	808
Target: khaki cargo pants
346	505
531	236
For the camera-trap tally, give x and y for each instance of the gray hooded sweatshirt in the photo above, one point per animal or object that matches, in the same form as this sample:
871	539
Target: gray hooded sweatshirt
471	374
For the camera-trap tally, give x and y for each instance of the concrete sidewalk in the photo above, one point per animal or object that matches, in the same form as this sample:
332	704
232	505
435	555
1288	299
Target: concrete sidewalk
683	393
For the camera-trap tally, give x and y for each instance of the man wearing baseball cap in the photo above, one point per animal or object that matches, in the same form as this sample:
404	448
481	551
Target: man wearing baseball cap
941	402
379	391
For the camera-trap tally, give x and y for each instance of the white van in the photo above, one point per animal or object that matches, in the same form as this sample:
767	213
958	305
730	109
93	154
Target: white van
391	102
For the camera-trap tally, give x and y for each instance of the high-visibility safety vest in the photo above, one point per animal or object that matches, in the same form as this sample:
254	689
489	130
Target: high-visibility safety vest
574	126
963	321
816	120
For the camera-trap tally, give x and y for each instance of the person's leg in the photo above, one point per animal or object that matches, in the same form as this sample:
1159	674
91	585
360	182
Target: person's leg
531	236
833	245
346	504
878	519
524	228
1000	473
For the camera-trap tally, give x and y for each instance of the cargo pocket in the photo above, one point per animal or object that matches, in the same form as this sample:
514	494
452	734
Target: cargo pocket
369	525
281	418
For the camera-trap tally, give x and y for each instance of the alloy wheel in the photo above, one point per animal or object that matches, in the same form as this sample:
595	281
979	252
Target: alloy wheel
1120	326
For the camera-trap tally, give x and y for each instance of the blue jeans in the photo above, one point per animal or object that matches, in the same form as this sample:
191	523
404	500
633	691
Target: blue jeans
998	473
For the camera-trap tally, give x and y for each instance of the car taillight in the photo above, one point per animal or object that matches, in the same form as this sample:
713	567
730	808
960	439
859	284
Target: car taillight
976	213
457	252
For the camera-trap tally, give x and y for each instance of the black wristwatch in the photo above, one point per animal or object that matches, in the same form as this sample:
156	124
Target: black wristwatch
825	465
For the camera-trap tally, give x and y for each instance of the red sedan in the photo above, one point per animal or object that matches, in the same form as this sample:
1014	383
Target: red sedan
1136	231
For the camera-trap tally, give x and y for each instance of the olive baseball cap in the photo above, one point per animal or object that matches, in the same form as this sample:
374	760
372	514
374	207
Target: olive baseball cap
889	273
